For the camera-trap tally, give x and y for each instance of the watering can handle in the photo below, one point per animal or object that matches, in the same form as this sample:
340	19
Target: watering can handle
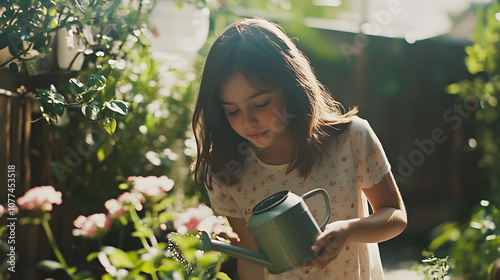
327	203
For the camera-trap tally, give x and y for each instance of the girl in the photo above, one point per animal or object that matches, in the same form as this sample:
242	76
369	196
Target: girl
264	123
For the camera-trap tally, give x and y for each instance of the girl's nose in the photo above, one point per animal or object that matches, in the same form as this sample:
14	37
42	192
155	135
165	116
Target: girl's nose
248	119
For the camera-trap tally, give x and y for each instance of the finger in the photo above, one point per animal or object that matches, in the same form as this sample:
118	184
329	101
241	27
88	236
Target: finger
320	242
332	252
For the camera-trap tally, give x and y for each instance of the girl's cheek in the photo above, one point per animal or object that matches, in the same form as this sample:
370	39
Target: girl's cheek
233	122
274	118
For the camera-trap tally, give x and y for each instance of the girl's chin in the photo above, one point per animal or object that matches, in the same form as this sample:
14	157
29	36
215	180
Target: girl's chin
266	141
260	144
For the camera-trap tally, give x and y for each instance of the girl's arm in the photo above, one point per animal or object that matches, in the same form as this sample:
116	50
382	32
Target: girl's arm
387	221
246	270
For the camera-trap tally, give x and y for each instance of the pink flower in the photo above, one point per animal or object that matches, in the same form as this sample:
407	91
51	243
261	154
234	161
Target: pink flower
92	224
116	207
202	218
2	210
152	186
189	220
40	197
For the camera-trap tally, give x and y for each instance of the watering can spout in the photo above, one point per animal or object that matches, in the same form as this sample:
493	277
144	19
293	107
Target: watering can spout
234	251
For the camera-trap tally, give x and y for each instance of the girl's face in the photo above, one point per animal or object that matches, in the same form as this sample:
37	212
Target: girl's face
256	112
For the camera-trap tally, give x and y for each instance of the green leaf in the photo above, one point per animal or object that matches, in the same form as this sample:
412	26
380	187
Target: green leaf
117	106
120	259
222	276
77	85
96	82
16	44
91	110
107	277
92	256
148	267
59	109
4	39
143	231
447	232
209	258
169	265
110	126
50	265
13	68
88	96
167	216
50	96
24	4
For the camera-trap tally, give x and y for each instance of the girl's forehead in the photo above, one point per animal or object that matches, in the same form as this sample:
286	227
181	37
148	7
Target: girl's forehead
241	86
252	79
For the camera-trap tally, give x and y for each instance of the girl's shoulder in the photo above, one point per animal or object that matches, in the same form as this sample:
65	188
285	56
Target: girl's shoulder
358	124
356	132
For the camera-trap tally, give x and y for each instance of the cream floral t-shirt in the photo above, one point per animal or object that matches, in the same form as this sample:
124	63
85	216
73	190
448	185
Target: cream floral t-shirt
355	160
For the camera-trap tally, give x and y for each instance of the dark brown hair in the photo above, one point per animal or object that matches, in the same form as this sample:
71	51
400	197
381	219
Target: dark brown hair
261	50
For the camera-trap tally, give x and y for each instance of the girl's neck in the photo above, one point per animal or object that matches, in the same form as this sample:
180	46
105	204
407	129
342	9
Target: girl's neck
279	153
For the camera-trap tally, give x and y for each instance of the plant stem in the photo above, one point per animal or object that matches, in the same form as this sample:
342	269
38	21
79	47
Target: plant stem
137	224
53	243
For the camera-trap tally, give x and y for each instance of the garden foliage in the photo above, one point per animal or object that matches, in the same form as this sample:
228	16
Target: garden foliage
474	246
123	115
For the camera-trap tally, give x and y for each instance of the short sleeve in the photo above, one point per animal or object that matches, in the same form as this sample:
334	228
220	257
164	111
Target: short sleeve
370	159
222	202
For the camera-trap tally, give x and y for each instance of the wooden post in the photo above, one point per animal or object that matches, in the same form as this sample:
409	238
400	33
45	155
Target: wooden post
15	129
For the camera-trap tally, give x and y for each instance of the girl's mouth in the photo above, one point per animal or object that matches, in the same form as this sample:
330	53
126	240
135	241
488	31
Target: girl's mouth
258	135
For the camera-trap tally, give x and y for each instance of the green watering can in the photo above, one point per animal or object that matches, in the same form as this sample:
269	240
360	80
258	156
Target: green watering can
283	229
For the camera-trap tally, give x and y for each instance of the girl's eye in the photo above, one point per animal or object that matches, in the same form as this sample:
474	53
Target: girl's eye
230	113
263	104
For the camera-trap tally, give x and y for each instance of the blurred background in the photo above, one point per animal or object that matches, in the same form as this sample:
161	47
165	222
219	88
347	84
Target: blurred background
423	73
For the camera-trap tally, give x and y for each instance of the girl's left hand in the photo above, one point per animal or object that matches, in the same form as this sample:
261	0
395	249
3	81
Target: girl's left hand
334	239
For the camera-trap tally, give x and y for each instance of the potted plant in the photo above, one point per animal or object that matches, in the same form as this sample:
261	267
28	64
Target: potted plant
178	27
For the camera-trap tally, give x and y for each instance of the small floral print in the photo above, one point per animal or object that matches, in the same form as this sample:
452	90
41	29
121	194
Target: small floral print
41	197
91	225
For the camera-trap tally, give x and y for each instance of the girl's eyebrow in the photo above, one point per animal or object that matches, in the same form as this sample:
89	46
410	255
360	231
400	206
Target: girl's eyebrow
259	93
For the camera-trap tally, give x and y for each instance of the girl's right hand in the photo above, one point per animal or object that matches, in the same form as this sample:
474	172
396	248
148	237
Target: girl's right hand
334	238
